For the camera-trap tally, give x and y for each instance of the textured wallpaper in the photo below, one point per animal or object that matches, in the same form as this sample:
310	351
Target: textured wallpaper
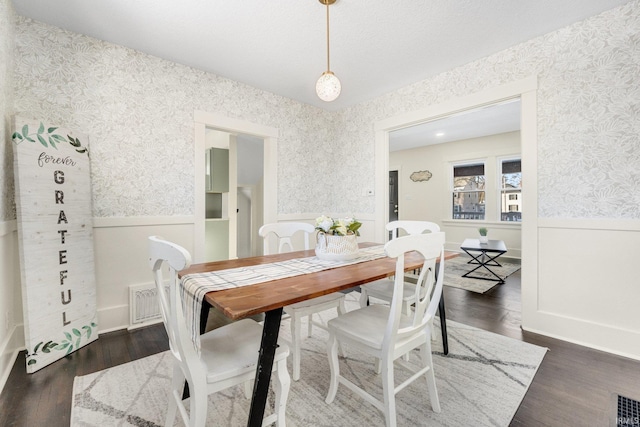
138	111
7	204
588	112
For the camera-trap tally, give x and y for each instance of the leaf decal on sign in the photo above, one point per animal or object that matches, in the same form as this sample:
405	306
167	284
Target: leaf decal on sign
67	344
42	141
47	138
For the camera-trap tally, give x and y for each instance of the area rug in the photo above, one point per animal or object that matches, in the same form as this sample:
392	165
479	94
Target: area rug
456	267
481	382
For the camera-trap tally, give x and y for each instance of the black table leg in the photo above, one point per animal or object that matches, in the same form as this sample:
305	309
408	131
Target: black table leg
267	353
443	324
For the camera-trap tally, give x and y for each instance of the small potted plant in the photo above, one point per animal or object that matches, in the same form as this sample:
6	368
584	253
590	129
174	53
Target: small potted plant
483	235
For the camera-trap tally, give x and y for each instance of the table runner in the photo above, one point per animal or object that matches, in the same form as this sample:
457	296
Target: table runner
194	286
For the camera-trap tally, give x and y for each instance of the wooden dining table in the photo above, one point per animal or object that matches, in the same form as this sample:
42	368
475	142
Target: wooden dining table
270	298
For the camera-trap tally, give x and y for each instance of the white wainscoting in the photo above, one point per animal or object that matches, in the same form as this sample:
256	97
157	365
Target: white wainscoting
122	260
11	329
588	286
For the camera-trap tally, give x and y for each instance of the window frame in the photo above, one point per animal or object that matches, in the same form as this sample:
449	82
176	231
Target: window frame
452	191
500	188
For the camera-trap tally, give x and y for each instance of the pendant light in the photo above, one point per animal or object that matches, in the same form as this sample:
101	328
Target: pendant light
328	86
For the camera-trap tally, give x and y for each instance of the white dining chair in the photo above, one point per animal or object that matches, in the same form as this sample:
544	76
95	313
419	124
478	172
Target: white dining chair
383	289
282	233
227	356
387	333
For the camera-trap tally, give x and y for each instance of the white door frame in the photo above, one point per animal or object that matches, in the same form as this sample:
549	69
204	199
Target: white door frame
269	135
525	90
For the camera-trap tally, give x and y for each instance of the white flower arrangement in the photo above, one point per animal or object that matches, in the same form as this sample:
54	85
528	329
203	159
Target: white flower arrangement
337	227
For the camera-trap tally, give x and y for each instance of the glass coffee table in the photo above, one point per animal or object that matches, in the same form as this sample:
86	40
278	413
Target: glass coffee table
484	255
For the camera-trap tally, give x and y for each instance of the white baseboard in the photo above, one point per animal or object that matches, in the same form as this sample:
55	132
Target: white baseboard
9	353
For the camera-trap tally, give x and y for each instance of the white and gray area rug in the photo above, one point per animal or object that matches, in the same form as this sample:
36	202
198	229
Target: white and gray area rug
481	382
456	267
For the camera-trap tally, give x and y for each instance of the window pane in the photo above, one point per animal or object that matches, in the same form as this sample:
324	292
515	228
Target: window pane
468	191
468	205
511	202
510	193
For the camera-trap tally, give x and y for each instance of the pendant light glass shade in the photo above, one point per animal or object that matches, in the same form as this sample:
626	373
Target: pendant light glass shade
328	87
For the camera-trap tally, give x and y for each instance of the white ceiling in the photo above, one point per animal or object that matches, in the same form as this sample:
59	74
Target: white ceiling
280	46
489	120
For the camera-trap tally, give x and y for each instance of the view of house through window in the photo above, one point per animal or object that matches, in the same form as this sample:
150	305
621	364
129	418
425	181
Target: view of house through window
511	190
468	191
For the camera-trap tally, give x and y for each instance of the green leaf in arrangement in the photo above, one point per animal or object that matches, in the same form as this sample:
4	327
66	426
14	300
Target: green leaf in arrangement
31	362
76	332
41	128
42	141
68	335
51	129
52	143
16	135
29	139
58	138
25	130
69	350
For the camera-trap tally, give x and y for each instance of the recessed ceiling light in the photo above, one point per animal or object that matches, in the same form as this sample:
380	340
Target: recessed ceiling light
440	134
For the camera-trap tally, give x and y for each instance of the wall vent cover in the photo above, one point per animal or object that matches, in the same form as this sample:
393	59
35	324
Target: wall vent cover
144	306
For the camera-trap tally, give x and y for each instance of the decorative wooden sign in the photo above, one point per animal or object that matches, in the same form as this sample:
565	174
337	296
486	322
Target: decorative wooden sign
53	200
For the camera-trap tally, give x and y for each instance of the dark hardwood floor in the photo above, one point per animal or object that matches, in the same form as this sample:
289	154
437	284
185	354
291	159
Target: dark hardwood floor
573	387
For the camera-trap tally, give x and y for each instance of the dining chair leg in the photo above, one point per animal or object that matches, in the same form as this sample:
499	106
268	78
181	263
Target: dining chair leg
174	394
198	407
296	326
389	398
427	360
310	325
282	386
332	351
341	310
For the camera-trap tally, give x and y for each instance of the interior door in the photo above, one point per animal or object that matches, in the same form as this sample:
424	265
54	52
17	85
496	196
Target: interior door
393	197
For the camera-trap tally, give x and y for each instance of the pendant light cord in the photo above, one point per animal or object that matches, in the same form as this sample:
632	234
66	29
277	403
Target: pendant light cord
328	67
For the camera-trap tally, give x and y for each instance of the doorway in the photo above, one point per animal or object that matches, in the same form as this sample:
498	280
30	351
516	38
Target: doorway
267	193
525	90
393	197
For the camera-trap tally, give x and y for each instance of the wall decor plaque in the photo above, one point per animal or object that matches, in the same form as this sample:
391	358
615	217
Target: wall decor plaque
421	176
55	232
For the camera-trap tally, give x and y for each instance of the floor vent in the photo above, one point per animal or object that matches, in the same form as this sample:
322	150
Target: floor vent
628	412
144	306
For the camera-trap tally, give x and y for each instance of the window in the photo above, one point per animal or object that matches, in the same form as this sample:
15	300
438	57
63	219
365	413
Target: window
468	191
511	190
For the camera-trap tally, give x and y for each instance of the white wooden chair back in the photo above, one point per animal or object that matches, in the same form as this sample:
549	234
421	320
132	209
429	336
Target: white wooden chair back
283	232
412	227
428	287
167	254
